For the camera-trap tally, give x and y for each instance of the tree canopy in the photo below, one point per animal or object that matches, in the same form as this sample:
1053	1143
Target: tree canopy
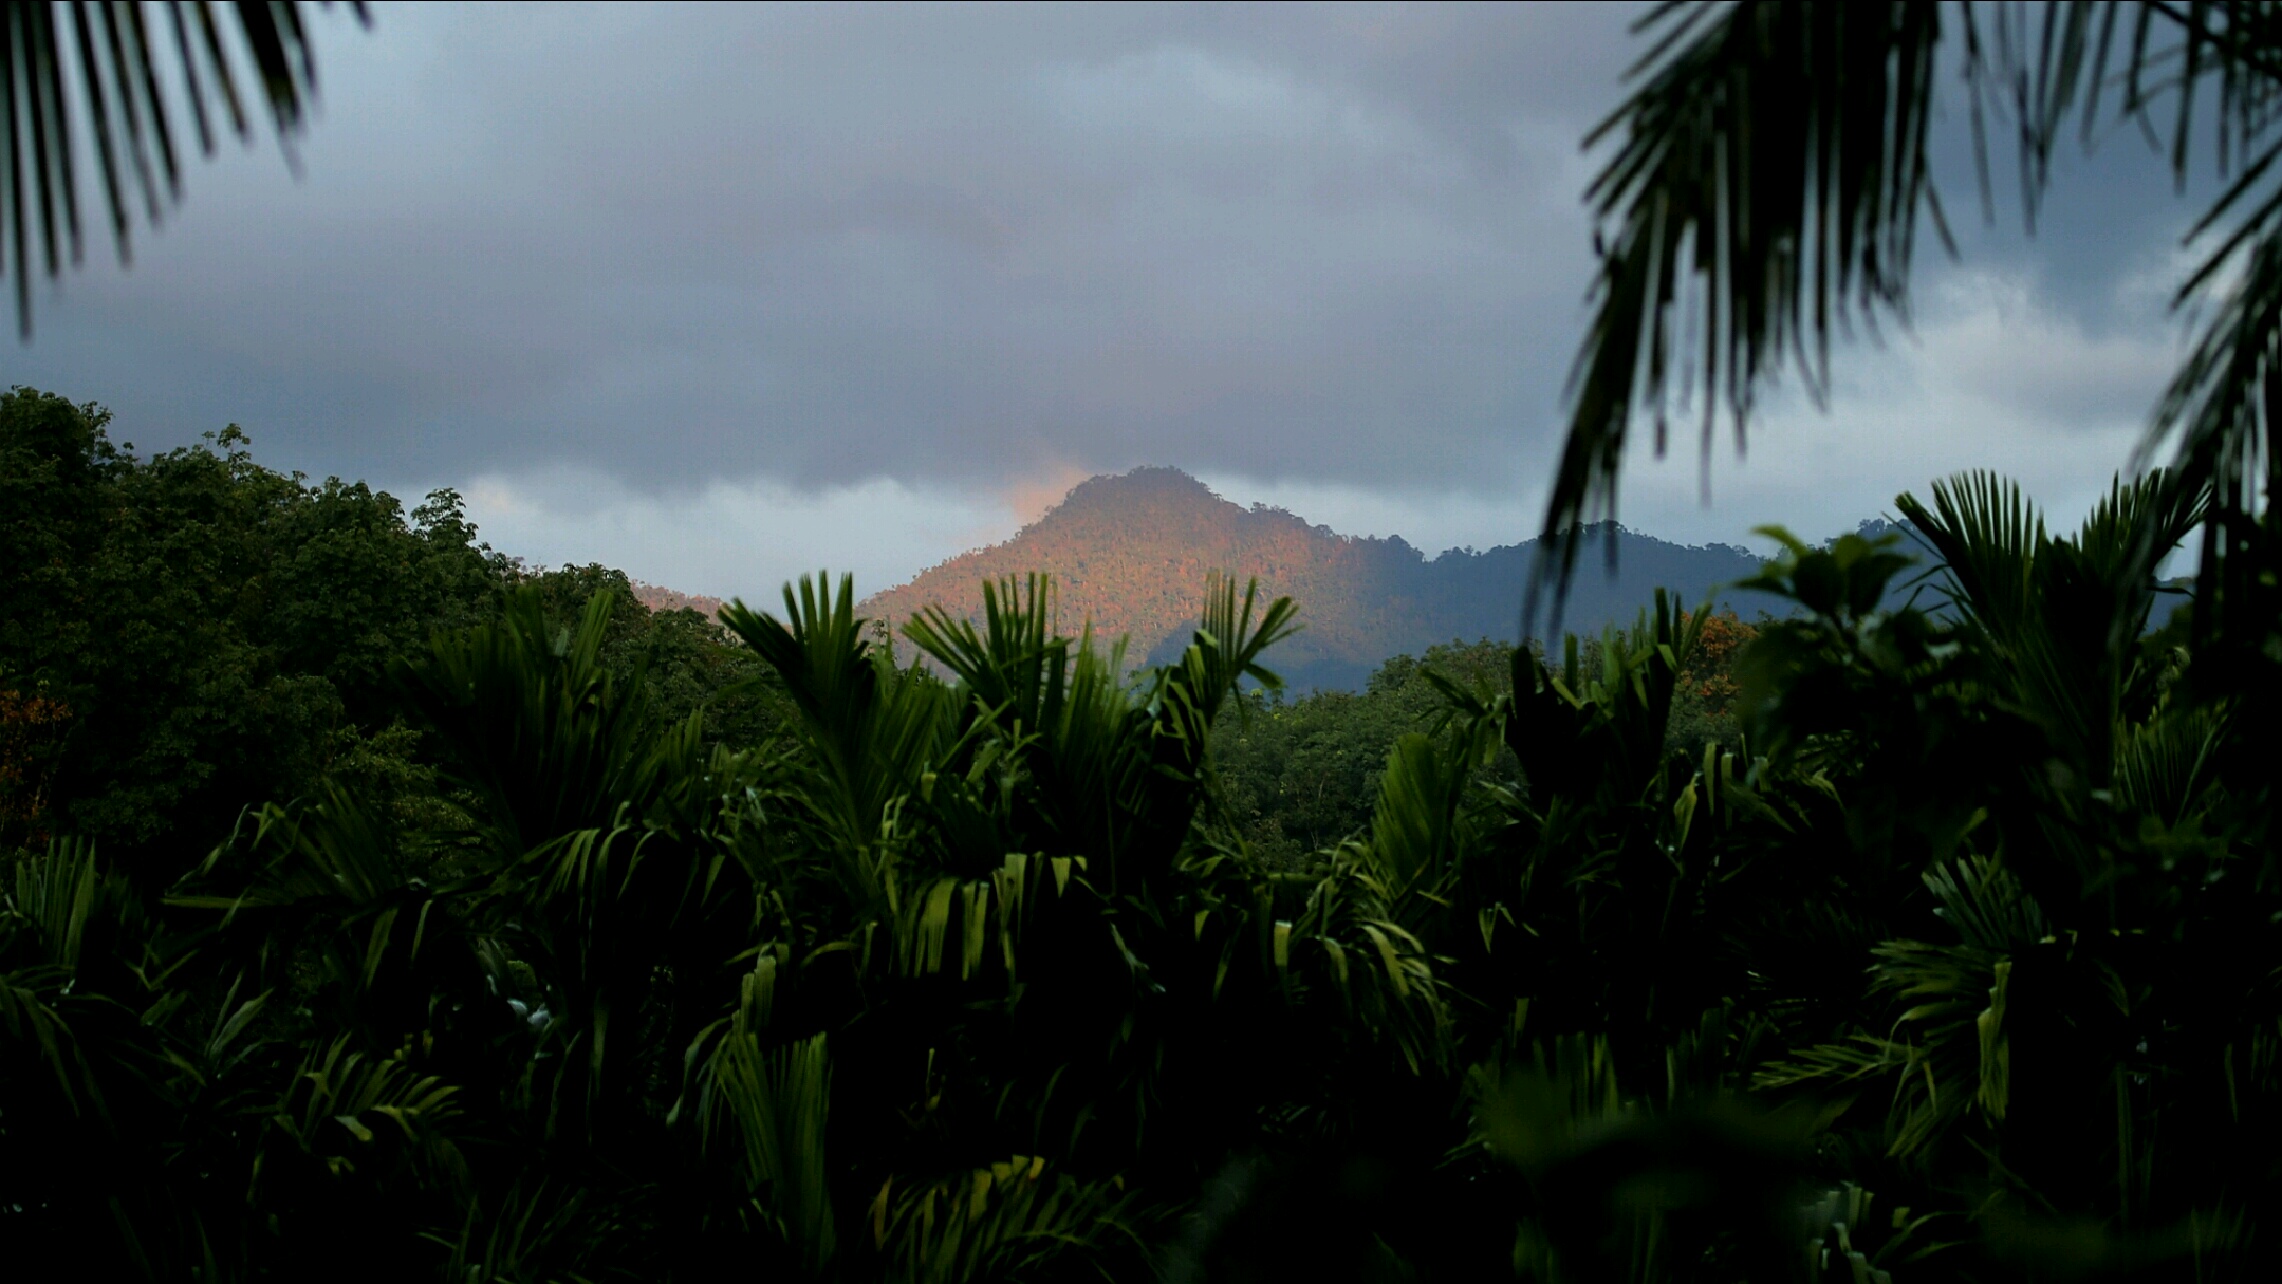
374	905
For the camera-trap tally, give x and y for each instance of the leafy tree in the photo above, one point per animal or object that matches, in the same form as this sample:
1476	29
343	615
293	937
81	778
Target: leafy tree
1298	777
689	664
199	630
185	633
1703	704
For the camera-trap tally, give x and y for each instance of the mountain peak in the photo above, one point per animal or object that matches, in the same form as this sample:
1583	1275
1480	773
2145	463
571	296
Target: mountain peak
1131	554
1150	486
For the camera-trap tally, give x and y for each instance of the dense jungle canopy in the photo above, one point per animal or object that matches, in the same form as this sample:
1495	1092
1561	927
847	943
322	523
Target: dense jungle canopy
370	896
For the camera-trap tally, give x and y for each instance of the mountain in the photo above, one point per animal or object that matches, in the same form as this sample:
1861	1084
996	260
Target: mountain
658	598
1131	554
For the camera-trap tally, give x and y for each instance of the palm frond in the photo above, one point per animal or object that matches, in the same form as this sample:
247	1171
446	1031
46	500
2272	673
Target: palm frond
536	725
1002	1222
2168	766
1769	172
345	1111
79	67
1418	824
1058	726
869	726
1237	640
2223	405
1987	535
328	845
33	1031
2064	615
57	892
2136	525
1987	905
773	1107
1349	944
530	1233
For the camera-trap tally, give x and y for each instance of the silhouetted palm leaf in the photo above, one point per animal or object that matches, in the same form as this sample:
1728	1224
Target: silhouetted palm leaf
1769	174
123	73
869	728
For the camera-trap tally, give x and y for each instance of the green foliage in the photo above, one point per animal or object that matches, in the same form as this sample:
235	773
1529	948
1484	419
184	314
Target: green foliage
1870	942
1004	1222
188	633
1298	777
218	632
687	662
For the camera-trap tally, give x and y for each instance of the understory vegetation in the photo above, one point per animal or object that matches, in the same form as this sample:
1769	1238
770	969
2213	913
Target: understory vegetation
375	907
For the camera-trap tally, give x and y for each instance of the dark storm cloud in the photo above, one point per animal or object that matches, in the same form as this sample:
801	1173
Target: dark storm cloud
826	244
715	293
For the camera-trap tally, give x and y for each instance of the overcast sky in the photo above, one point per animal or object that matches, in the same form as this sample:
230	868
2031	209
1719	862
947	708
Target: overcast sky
720	294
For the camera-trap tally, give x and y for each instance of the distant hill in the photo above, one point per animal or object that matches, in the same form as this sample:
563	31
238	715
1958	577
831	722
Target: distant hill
1131	554
666	599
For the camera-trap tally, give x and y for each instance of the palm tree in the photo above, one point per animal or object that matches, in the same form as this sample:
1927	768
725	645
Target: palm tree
1769	179
2097	961
948	983
122	72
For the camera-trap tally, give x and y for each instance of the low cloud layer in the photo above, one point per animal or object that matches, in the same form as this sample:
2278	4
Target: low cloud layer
1929	404
720	294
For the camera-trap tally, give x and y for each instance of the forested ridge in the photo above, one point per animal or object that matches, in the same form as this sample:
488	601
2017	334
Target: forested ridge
659	598
374	906
1130	554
